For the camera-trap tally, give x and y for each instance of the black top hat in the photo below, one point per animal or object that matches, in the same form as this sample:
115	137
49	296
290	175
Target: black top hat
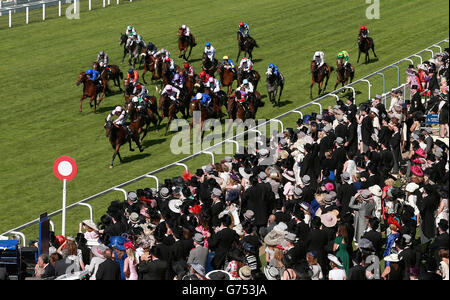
443	224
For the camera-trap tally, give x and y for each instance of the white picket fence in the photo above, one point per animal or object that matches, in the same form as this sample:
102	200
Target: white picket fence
12	7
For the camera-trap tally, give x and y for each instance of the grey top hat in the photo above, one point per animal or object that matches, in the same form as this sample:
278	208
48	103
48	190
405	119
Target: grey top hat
132	197
306	179
164	192
298	191
340	141
291	237
134	217
249	214
345	176
263	152
262	175
228	158
208	168
198	238
366	194
216	192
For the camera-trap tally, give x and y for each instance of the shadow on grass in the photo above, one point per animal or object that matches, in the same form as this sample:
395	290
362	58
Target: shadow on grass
103	109
257	60
194	60
148	141
130	157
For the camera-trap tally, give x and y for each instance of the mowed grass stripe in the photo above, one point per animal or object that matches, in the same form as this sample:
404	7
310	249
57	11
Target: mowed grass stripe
43	122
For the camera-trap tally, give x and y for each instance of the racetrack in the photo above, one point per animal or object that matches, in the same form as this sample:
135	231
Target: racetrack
40	120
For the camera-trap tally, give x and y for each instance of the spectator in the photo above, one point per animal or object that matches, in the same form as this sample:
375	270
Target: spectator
109	269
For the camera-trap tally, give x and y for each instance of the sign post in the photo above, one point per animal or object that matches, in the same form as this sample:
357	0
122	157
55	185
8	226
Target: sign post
65	169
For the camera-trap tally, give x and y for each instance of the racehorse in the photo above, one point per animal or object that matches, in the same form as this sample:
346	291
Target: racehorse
236	110
128	90
318	75
215	111
149	66
364	45
169	110
110	72
209	66
246	45
184	43
149	115
123	41
167	74
274	82
227	77
343	74
132	48
119	136
90	90
252	76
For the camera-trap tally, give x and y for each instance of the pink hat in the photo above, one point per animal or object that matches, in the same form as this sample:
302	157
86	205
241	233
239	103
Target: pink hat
329	186
421	152
416	170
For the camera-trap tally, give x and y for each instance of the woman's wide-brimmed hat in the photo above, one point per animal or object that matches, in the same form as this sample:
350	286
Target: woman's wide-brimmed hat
90	224
328	219
218	275
273	238
174	205
335	260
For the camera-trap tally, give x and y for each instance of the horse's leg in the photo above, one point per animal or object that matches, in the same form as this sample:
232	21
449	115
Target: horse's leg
310	90
281	91
359	54
326	83
81	102
189	55
116	151
373	49
120	157
143	74
239	53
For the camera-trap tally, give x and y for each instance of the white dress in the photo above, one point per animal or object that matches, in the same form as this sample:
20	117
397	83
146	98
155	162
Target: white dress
337	274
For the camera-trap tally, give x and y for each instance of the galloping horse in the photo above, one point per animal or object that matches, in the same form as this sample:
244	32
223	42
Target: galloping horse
184	43
274	82
343	74
364	45
110	72
318	75
123	41
252	76
91	90
119	136
149	66
226	77
169	109
209	66
246	45
149	115
206	113
132	48
237	111
128	90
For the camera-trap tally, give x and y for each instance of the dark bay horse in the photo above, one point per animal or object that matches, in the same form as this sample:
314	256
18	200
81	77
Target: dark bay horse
169	110
246	45
215	111
343	74
364	45
149	115
110	72
209	66
118	136
274	82
184	43
227	77
149	66
252	76
166	73
318	76
90	90
236	110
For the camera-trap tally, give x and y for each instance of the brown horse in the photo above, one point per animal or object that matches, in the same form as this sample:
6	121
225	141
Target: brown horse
246	45
236	110
343	74
149	115
128	90
166	73
118	136
150	63
90	90
215	111
110	72
364	45
209	66
252	76
169	110
227	77
318	75
184	43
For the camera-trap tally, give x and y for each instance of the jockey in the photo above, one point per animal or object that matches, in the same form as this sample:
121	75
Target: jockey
139	103
140	91
178	81
245	65
205	99
172	64
244	30
133	77
121	117
163	52
319	57
214	85
246	86
130	29
187	32
345	57
204	77
103	59
94	76
228	64
172	92
151	49
273	69
241	97
209	51
189	69
363	32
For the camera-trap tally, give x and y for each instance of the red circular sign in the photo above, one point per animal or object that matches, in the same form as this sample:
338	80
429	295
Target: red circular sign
65	168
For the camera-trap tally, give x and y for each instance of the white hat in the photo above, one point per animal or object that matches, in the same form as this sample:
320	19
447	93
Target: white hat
376	190
412	187
198	96
174	205
280	227
392	258
335	260
271	272
90	224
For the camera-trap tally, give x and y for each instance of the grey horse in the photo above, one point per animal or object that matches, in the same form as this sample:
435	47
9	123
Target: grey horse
272	84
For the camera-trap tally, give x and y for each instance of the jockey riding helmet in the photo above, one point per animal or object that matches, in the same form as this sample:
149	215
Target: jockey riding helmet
225	58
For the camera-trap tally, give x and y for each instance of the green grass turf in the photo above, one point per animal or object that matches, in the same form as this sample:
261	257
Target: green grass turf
40	119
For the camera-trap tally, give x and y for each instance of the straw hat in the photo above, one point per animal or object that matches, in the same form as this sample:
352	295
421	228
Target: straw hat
91	224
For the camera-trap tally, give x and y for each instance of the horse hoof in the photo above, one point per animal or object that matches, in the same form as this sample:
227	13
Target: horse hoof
131	150
111	166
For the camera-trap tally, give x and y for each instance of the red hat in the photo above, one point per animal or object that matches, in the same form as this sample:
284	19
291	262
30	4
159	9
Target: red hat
418	160
202	73
395	221
421	152
60	239
196	209
362	27
416	170
186	175
186	64
129	245
241	24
